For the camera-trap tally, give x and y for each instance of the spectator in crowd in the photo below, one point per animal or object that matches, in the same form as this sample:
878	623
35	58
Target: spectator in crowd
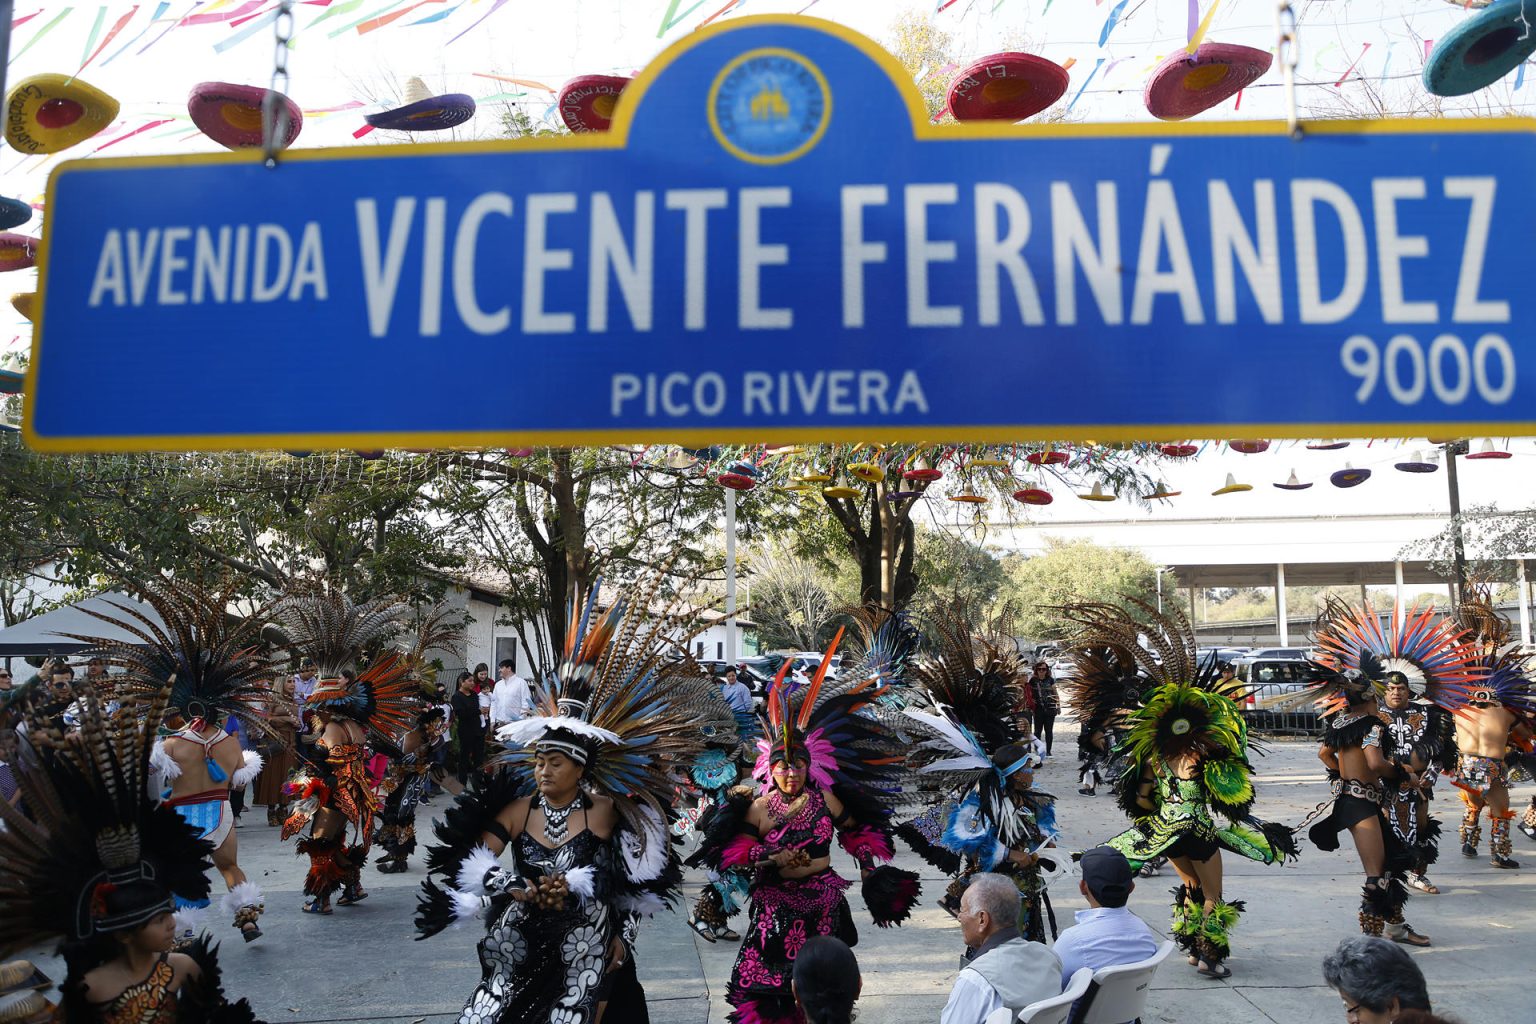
736	693
826	981
466	719
1107	934
10	789
1002	967
96	675
483	693
511	698
303	685
1376	979
1042	695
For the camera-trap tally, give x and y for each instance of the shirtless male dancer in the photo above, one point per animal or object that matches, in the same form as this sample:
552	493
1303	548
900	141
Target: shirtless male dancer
1485	730
201	763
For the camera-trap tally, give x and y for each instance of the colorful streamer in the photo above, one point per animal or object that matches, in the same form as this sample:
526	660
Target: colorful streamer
136	131
161	36
439	16
1205	25
117	27
212	17
90	40
1111	22
729	4
160	10
496	6
337	10
671	18
1084	86
247	32
333	33
373	24
40	33
1351	68
526	82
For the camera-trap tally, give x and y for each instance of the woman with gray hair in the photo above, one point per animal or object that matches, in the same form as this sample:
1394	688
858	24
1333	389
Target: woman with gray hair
1376	979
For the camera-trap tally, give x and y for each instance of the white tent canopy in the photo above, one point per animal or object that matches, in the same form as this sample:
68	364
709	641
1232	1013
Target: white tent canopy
41	634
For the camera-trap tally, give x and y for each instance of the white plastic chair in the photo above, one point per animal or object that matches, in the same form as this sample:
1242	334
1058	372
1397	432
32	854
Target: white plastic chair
1119	993
1057	1009
1001	1015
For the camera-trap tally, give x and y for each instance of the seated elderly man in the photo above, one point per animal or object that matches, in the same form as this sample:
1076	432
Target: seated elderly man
1002	968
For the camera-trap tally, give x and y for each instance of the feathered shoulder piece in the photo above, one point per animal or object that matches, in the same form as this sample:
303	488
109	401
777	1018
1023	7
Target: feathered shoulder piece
94	854
383	697
883	647
337	632
216	663
622	704
974	679
1186	713
1362	650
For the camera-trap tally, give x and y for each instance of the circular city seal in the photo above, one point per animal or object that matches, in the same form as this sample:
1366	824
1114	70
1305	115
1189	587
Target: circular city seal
769	106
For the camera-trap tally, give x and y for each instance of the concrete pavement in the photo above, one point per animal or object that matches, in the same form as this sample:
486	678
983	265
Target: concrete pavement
361	963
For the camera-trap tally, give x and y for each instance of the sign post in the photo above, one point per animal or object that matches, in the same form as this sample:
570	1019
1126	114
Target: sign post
773	244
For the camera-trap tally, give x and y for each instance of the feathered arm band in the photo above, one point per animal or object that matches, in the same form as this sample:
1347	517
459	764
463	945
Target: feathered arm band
248	770
727	840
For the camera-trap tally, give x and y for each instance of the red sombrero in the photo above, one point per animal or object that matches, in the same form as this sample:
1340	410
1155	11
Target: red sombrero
1248	447
17	252
49	113
1046	458
1006	87
586	102
1177	451
927	476
1488	451
1033	496
1187	83
424	112
736	481
231	114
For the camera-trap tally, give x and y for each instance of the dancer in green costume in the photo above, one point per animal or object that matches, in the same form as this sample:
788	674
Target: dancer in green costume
1182	760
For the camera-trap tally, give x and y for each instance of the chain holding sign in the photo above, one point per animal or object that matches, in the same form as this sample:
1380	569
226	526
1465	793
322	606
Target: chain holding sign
773	244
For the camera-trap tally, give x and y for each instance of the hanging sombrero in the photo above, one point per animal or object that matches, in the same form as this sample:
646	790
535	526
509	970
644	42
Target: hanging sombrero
1417	464
1232	486
736	481
1349	476
1327	446
896	496
1047	458
1187	83
25	303
1161	494
1097	494
1481	49
711	453
813	478
969	498
231	114
17	252
13	213
49	113
1249	447
923	476
519	453
424	112
587	102
869	472
1006	87
1033	496
841	491
1293	484
1487	451
1178	451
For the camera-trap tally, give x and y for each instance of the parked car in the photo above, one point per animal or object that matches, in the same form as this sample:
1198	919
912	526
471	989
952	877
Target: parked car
1231	654
1289	653
1271	683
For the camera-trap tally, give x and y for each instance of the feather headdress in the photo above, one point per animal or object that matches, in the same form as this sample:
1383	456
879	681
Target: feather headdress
1362	652
1185	711
93	854
619	705
1501	673
215	663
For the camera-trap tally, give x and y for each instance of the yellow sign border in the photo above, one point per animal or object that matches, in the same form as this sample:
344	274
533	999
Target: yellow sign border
617	138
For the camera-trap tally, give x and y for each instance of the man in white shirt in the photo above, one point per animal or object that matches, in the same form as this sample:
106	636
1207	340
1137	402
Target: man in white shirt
1106	934
511	699
1003	968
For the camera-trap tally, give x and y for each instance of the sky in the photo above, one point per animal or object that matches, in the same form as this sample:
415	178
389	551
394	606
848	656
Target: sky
1349	49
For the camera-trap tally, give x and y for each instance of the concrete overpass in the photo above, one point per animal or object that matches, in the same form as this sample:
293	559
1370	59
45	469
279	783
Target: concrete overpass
1275	552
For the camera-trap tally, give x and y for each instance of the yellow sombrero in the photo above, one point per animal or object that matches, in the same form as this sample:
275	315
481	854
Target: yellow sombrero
49	113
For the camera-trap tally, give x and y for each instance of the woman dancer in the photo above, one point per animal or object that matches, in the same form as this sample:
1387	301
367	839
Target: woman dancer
579	803
96	864
1186	755
829	766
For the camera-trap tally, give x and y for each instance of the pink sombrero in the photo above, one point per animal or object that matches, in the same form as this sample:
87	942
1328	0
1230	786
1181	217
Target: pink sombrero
17	252
587	102
1006	87
1187	83
424	112
231	114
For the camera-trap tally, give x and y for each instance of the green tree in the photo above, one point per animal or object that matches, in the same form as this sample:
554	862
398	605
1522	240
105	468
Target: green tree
793	601
956	569
1077	570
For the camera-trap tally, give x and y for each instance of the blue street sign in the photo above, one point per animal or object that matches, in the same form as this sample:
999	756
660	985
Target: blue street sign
774	244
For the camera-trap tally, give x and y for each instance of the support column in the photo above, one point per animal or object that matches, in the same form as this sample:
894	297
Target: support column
730	576
1397	597
1365	596
1525	607
1194	610
1283	617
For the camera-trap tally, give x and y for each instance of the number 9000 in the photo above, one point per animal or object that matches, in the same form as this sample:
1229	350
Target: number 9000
1447	369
